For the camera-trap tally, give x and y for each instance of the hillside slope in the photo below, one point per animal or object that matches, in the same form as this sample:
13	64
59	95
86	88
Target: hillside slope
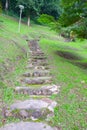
68	62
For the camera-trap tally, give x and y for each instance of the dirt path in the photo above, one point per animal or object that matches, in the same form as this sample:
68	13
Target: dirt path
36	82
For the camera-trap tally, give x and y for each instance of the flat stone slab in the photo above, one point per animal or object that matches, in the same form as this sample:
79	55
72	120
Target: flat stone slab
36	52
38	57
37	73
27	126
42	90
32	108
33	104
38	61
35	65
37	80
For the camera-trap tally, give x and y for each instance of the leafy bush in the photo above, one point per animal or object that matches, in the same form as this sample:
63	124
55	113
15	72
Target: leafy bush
46	19
78	29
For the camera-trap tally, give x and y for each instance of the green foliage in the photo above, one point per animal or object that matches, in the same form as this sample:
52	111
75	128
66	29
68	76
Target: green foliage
32	7
0	7
79	29
46	19
51	7
73	18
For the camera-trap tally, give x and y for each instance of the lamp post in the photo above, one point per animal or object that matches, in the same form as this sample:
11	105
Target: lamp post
21	10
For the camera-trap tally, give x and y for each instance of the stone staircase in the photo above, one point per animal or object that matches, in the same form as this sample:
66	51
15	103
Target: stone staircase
36	81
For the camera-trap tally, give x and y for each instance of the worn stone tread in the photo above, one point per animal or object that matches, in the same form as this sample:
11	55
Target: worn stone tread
37	73
37	65
41	90
34	104
32	108
27	126
37	80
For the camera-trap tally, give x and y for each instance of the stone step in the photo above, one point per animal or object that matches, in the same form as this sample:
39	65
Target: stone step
36	49
37	67
38	80
31	109
27	126
38	58
36	52
35	63
37	73
41	90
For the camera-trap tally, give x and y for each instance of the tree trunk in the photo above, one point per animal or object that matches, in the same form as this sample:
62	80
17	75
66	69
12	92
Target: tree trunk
28	23
6	5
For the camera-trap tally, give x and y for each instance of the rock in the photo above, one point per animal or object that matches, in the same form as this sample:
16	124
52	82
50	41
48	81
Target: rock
43	90
22	90
38	80
37	73
32	91
32	108
83	82
39	57
27	74
38	60
37	53
54	89
31	104
41	73
39	67
37	114
37	64
27	126
24	114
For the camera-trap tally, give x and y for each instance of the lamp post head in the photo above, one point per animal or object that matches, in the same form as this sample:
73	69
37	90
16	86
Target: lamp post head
21	7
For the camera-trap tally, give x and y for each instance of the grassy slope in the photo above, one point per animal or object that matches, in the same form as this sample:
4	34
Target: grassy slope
71	110
13	50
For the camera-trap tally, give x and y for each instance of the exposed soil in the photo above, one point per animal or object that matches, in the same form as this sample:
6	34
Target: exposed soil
68	55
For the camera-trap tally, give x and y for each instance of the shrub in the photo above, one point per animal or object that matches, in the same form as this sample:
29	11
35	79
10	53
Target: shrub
78	29
46	19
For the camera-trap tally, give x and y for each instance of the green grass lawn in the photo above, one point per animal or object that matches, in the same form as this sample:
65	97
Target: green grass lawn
72	105
68	64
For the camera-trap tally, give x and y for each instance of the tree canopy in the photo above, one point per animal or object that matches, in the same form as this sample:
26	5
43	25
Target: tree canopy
68	14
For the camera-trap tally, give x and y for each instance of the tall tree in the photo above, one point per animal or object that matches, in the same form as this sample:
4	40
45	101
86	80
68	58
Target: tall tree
51	7
6	5
32	7
72	11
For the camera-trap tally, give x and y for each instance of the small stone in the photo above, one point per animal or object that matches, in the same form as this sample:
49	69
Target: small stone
37	114
24	114
83	82
27	74
39	67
